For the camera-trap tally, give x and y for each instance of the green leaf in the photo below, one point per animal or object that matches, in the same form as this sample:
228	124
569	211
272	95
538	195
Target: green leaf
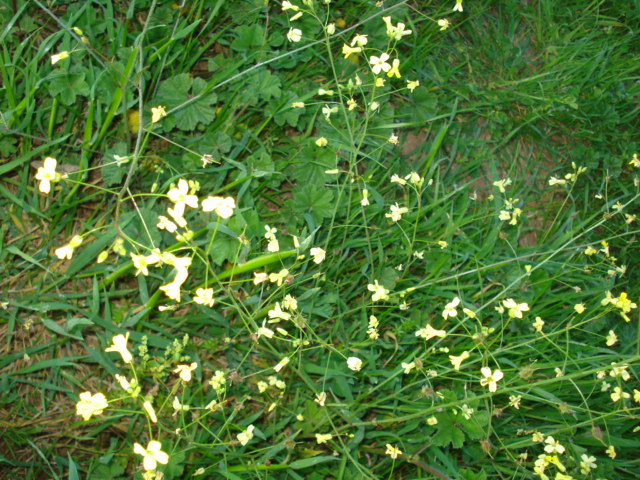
249	38
178	93
311	164
314	200
260	165
112	173
310	462
67	86
265	86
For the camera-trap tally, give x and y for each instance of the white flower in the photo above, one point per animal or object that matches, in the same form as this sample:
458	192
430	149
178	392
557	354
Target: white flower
244	437
318	254
294	35
379	64
354	363
153	455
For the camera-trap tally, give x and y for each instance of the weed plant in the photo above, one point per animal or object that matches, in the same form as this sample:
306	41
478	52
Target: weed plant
319	239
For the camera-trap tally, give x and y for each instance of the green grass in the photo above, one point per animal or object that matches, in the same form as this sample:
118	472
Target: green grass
517	90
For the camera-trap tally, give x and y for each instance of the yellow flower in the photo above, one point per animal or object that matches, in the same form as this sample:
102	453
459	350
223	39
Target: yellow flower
184	371
354	363
379	64
294	35
360	40
280	277
444	23
318	254
407	367
59	56
396	212
297	105
619	394
277	314
538	324
148	407
223	207
119	345
457	361
611	339
321	142
379	292
611	451
365	197
66	251
321	398
429	332
514	310
204	296
450	308
432	421
90	405
490	379
244	437
347	50
157	113
394	69
152	455
281	364
47	174
458	7
412	84
392	451
323	437
286	5
579	307
180	196
553	446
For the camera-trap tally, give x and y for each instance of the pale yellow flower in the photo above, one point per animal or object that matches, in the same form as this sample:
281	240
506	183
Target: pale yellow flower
412	84
204	296
396	212
244	437
379	292
119	345
394	69
184	371
444	23
458	6
223	207
323	437
347	50
514	309
318	254
321	142
456	361
354	363
429	332
90	405
450	308
490	379
59	56
294	35
152	455
379	64
157	113
66	251
392	451
47	174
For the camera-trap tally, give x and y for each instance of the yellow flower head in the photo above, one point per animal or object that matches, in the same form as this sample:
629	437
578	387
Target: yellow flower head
90	405
119	345
47	174
184	371
157	113
152	455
